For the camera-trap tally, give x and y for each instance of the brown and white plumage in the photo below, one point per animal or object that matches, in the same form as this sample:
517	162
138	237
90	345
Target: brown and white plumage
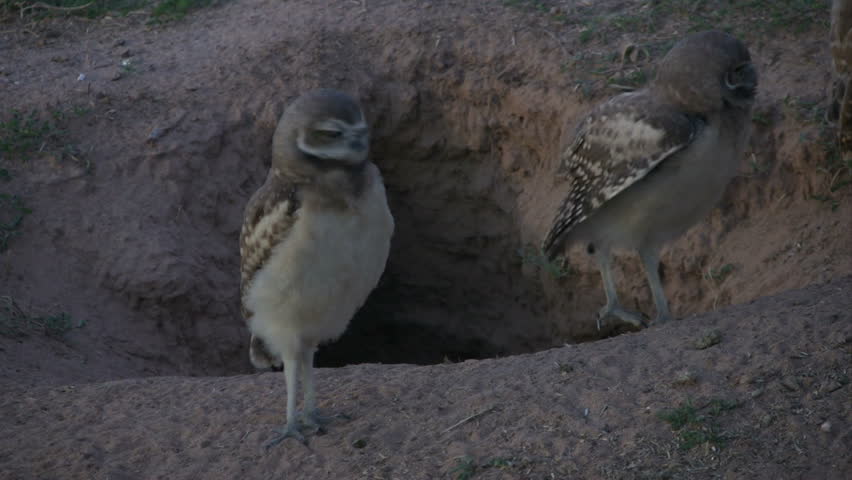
617	144
314	242
648	164
269	216
841	54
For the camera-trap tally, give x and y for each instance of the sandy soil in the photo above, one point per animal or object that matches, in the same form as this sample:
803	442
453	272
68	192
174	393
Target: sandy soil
593	410
137	203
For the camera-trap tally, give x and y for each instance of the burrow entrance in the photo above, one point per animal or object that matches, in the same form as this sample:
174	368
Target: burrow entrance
469	194
458	284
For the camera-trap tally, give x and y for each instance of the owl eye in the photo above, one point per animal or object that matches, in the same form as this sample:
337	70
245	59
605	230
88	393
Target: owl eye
329	134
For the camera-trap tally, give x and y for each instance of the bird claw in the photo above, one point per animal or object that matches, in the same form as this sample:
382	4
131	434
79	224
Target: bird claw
317	422
289	431
314	422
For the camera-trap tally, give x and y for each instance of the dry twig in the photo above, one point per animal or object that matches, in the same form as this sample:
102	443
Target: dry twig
465	420
51	7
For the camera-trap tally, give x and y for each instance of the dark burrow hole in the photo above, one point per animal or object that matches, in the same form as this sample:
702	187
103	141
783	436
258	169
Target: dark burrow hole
457	285
375	338
453	288
449	293
377	335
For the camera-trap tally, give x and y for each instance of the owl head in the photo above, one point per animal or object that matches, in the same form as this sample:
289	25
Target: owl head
708	71
321	130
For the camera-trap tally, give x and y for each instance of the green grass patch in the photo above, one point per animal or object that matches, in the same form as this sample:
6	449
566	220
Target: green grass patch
15	322
823	134
178	9
746	18
160	11
12	213
719	274
697	426
81	8
558	267
655	27
537	5
24	133
465	468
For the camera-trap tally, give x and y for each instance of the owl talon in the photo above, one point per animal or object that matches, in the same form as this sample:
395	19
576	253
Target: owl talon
316	422
289	431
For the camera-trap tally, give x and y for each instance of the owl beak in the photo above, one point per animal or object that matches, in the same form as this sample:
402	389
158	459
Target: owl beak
742	81
749	77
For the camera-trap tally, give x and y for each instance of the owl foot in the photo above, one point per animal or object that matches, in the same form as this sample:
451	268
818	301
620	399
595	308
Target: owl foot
289	431
633	318
316	422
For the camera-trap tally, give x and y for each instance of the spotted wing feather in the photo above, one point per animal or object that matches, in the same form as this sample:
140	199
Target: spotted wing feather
270	214
616	145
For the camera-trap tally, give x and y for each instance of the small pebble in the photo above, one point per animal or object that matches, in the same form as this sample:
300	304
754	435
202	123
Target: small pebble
156	133
826	426
790	384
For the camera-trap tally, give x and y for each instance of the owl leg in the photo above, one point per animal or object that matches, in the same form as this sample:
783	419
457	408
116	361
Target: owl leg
613	307
312	417
651	261
292	365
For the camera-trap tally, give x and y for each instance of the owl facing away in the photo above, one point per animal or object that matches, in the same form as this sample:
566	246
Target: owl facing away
646	165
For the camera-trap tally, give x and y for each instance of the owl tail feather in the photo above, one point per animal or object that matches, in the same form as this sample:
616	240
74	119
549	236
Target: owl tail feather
552	244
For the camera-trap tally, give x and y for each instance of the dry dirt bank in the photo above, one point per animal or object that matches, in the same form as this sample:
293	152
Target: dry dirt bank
134	229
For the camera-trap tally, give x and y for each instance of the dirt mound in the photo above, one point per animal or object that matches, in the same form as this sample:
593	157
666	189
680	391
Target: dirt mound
152	138
662	403
174	125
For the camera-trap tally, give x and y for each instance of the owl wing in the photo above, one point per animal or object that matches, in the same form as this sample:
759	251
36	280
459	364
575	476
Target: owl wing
616	145
270	214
